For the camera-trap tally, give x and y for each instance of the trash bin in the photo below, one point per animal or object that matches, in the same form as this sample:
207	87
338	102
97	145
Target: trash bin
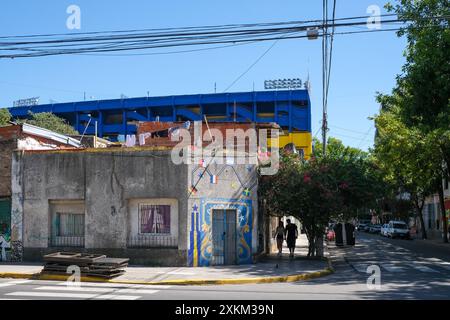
339	239
350	234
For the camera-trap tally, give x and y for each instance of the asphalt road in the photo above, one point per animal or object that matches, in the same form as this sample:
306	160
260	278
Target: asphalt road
407	271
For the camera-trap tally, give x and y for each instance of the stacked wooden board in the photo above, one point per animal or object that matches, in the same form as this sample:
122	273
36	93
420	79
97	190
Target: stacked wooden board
95	265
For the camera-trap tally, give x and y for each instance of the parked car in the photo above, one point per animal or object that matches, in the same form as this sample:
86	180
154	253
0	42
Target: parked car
398	229
375	228
384	229
363	226
366	228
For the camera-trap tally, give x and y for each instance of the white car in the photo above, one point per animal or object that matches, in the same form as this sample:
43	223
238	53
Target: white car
384	229
397	229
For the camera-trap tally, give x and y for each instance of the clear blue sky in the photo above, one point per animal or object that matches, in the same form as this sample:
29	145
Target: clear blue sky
362	65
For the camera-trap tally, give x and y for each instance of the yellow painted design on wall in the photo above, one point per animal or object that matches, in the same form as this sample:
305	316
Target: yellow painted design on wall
302	140
195	243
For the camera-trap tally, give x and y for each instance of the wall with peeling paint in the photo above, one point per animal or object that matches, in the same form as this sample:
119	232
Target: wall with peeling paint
106	182
111	183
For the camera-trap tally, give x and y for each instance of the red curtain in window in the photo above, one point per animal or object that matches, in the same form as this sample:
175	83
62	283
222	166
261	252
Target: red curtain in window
154	219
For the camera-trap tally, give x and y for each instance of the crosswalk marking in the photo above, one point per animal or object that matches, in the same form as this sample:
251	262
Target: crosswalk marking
360	267
392	268
142	291
186	273
424	268
13	283
52	294
117	285
74	288
20	281
93	289
104	291
116	297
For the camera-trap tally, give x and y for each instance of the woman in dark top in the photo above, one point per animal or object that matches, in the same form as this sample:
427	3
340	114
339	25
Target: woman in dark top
291	237
279	235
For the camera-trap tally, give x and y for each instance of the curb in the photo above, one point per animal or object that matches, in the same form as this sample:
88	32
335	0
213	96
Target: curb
181	282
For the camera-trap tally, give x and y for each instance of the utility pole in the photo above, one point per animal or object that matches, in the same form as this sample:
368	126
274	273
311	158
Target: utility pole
324	75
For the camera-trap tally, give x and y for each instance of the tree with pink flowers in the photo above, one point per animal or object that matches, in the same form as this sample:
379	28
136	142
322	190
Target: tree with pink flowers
324	188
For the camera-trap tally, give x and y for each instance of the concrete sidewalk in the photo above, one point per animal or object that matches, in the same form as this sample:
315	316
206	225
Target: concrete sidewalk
269	269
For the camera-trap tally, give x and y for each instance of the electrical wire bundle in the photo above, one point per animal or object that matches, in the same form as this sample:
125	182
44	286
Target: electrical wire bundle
204	37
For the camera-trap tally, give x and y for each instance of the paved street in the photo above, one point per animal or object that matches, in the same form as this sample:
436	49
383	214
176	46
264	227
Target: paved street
405	274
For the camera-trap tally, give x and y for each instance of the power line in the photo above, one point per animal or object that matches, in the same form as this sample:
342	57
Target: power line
345	129
157	40
187	28
251	66
365	137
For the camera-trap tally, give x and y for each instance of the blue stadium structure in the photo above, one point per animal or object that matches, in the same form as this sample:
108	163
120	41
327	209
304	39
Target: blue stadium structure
291	109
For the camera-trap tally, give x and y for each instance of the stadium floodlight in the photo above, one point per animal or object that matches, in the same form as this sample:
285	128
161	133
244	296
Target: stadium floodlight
283	84
26	102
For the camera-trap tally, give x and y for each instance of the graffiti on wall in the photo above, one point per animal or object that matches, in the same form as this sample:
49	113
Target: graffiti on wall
201	242
5	229
4	246
204	171
16	236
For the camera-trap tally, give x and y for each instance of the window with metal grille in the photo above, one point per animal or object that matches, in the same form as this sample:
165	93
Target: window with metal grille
68	230
154	219
69	225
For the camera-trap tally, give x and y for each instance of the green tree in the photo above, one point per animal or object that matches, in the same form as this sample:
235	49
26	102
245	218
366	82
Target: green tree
406	159
52	122
422	92
5	116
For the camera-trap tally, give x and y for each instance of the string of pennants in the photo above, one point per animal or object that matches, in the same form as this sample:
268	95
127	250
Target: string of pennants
213	178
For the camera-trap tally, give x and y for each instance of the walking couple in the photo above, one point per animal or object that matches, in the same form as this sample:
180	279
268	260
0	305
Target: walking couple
290	234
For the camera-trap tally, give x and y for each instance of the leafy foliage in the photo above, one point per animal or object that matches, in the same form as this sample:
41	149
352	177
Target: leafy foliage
413	142
327	187
52	122
5	116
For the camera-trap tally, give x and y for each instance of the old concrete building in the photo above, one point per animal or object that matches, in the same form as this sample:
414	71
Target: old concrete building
20	137
136	203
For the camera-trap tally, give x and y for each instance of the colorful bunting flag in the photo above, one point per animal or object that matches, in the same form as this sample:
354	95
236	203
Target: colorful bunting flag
192	190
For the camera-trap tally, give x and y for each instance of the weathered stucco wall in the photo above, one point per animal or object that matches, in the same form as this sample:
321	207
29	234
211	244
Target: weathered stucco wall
6	149
106	181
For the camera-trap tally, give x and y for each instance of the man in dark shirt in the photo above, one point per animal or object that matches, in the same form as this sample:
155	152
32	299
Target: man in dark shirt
291	237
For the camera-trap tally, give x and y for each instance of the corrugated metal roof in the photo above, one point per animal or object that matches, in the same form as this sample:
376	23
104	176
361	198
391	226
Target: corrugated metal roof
48	134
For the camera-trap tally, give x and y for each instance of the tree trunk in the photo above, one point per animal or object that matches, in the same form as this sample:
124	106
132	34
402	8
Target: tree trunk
310	242
443	213
419	212
319	246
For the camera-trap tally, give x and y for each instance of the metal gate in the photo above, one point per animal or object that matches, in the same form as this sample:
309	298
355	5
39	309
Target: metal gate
224	237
